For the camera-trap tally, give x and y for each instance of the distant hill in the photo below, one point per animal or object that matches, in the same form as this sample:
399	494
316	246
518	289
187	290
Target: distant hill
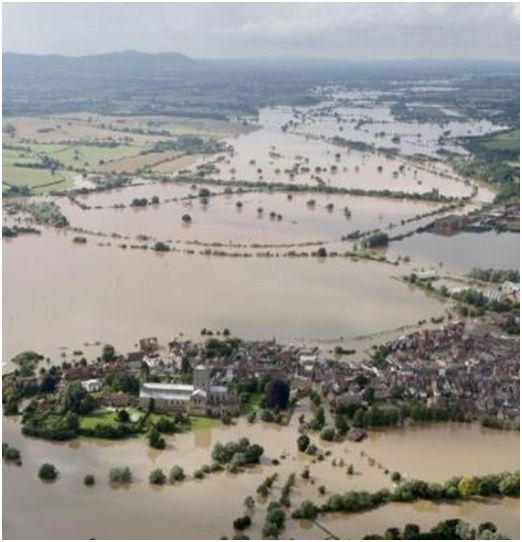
121	64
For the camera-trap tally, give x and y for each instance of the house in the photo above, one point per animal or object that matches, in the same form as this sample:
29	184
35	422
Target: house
427	275
149	345
91	385
449	225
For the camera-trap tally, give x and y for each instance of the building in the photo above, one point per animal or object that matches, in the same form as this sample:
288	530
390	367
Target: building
93	384
209	400
449	225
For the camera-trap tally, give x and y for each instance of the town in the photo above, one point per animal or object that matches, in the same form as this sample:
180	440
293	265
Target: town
454	372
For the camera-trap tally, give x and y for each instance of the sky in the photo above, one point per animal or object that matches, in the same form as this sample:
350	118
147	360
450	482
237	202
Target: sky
346	31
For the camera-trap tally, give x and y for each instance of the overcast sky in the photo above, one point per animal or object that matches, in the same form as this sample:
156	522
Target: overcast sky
352	31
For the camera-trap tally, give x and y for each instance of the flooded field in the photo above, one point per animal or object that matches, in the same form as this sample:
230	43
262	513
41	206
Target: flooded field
271	155
371	121
463	251
102	512
88	293
504	513
259	217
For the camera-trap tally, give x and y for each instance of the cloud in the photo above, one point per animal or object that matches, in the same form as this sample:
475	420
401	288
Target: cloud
322	30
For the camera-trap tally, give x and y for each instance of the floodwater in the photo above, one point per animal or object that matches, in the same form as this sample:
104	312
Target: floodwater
463	251
363	116
269	153
283	218
60	294
68	509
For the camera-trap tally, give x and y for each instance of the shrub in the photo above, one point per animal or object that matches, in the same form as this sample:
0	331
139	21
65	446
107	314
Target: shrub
176	474
89	480
120	475
242	523
12	454
307	510
157	477
328	433
47	472
303	442
156	440
198	474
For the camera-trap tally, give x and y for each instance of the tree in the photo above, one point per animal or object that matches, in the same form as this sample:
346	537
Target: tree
76	399
124	382
319	420
467	486
176	474
89	480
328	434
322	253
108	353
48	472
120	475
307	510
157	477
411	531
392	533
302	442
253	453
396	477
123	416
341	424
12	454
156	440
277	394
160	246
242	523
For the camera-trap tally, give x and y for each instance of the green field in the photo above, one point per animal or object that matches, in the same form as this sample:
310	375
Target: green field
501	142
38	180
85	156
109	417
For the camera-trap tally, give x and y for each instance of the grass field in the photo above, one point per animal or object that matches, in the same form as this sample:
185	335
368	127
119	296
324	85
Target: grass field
98	417
85	156
39	181
503	141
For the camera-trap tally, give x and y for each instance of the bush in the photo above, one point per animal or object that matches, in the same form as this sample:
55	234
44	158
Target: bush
307	510
120	475
89	480
47	472
396	477
242	523
157	477
303	442
12	454
176	474
156	440
328	434
198	474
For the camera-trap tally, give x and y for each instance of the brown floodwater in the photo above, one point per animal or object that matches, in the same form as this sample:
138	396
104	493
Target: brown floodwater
206	508
266	153
463	251
60	294
222	221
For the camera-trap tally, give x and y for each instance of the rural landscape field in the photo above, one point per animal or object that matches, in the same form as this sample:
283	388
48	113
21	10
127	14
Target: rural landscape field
258	294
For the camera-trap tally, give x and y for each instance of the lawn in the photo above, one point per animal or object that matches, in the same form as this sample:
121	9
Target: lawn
196	422
98	417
